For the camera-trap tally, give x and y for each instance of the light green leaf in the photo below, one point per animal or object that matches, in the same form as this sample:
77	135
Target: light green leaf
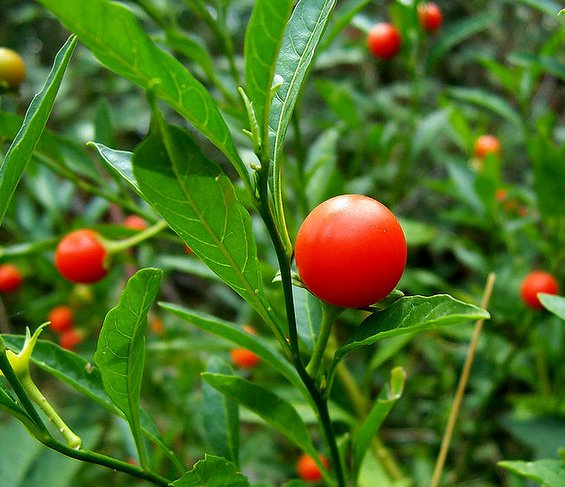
301	40
548	7
220	416
410	314
428	130
118	161
273	409
21	149
212	471
321	166
555	304
487	100
308	310
378	414
201	206
263	39
549	473
120	354
234	334
115	37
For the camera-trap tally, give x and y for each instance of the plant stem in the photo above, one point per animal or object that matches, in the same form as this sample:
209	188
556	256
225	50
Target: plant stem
463	379
114	247
329	314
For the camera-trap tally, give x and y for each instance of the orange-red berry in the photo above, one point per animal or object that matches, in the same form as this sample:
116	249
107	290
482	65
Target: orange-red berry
537	282
11	278
307	468
61	318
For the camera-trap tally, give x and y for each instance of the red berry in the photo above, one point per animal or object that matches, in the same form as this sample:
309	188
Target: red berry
70	338
135	222
537	282
80	257
430	16
10	278
485	145
307	468
383	40
244	358
61	318
350	251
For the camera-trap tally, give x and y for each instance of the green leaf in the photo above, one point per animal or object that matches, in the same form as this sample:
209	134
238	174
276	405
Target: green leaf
410	314
120	353
84	377
277	412
456	33
342	18
118	161
378	414
428	130
549	473
212	471
115	37
301	39
555	304
201	206
321	165
308	310
12	407
35	119
548	7
234	334
220	416
263	39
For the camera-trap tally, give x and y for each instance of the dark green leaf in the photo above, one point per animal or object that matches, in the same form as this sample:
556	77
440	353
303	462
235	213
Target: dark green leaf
212	472
549	473
555	304
120	354
273	409
220	416
410	314
115	37
263	39
201	206
36	117
456	33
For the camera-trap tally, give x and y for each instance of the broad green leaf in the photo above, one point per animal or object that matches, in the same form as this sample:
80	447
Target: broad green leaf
118	161
410	314
321	167
201	206
263	39
120	353
84	377
308	310
380	410
212	471
555	304
489	101
21	149
220	416
549	473
276	411
301	39
234	334
456	33
115	37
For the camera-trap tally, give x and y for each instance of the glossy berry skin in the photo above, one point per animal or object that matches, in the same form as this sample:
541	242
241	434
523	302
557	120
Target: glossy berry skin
350	251
307	468
430	16
244	358
10	278
485	145
135	222
61	318
70	338
12	68
537	282
80	256
383	40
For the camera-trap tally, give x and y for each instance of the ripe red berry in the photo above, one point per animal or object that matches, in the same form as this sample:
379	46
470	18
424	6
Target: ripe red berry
307	468
61	318
485	145
537	282
350	251
244	358
80	257
135	222
10	278
430	16
70	338
383	40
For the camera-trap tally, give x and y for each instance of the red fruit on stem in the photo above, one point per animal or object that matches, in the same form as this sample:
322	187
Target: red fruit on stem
61	318
537	282
485	145
80	257
10	278
383	40
430	16
135	222
70	338
307	468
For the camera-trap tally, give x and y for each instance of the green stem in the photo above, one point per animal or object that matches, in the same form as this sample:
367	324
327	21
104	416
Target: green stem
118	246
329	314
